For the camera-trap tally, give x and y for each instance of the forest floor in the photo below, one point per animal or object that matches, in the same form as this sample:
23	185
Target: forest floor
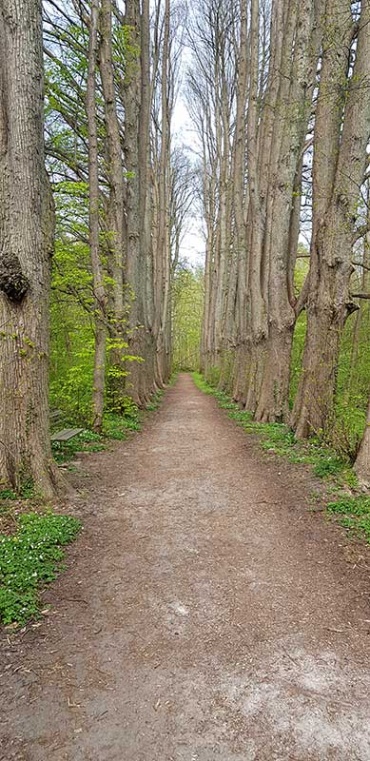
206	612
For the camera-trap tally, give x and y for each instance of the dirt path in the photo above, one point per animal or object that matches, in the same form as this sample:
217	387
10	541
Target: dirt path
206	614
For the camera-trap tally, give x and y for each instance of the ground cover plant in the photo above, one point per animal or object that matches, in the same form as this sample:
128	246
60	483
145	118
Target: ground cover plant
115	427
353	513
29	558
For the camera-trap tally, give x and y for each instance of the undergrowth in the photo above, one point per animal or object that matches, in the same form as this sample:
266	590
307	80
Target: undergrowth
155	401
353	513
116	427
30	558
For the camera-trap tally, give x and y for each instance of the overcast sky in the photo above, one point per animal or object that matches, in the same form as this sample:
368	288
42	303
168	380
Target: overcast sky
193	244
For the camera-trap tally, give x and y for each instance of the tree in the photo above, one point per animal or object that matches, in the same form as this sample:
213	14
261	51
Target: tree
283	139
342	132
362	464
96	264
187	317
132	149
212	100
26	247
115	204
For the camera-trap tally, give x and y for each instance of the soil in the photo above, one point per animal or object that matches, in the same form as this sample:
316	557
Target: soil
206	612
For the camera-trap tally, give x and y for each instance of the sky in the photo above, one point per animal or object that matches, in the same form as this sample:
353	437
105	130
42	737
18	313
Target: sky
193	243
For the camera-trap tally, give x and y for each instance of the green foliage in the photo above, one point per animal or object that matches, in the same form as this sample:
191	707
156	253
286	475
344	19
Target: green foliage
213	376
353	513
86	441
187	318
202	384
155	401
301	268
297	354
72	337
73	304
330	466
27	489
7	494
29	559
116	426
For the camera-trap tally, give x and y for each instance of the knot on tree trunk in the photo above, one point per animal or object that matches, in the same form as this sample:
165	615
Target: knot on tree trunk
12	280
351	307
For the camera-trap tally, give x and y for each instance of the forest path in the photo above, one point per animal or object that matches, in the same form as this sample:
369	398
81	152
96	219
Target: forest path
206	613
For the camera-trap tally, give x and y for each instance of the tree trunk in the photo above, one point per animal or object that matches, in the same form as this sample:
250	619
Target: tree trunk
116	207
364	288
297	68
163	252
26	247
136	262
362	464
96	265
341	139
146	375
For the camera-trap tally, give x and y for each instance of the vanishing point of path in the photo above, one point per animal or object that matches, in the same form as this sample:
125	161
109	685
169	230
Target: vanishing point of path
206	613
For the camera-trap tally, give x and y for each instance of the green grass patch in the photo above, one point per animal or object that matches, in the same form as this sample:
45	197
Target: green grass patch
8	494
155	401
29	559
353	513
116	427
86	441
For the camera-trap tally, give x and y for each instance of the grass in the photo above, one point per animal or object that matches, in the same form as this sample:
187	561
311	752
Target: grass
6	494
27	491
353	513
30	558
155	401
116	427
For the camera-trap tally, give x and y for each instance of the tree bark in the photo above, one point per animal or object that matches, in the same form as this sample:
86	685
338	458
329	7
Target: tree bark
341	137
137	100
362	464
163	251
116	205
297	69
96	264
26	247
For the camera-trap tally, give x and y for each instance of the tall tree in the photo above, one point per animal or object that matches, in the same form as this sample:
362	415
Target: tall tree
362	464
116	201
96	263
342	132
26	246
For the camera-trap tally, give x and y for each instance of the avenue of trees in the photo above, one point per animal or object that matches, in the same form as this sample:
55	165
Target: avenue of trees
89	246
280	97
96	305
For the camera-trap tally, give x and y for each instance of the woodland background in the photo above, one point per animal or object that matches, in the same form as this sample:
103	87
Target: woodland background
277	167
